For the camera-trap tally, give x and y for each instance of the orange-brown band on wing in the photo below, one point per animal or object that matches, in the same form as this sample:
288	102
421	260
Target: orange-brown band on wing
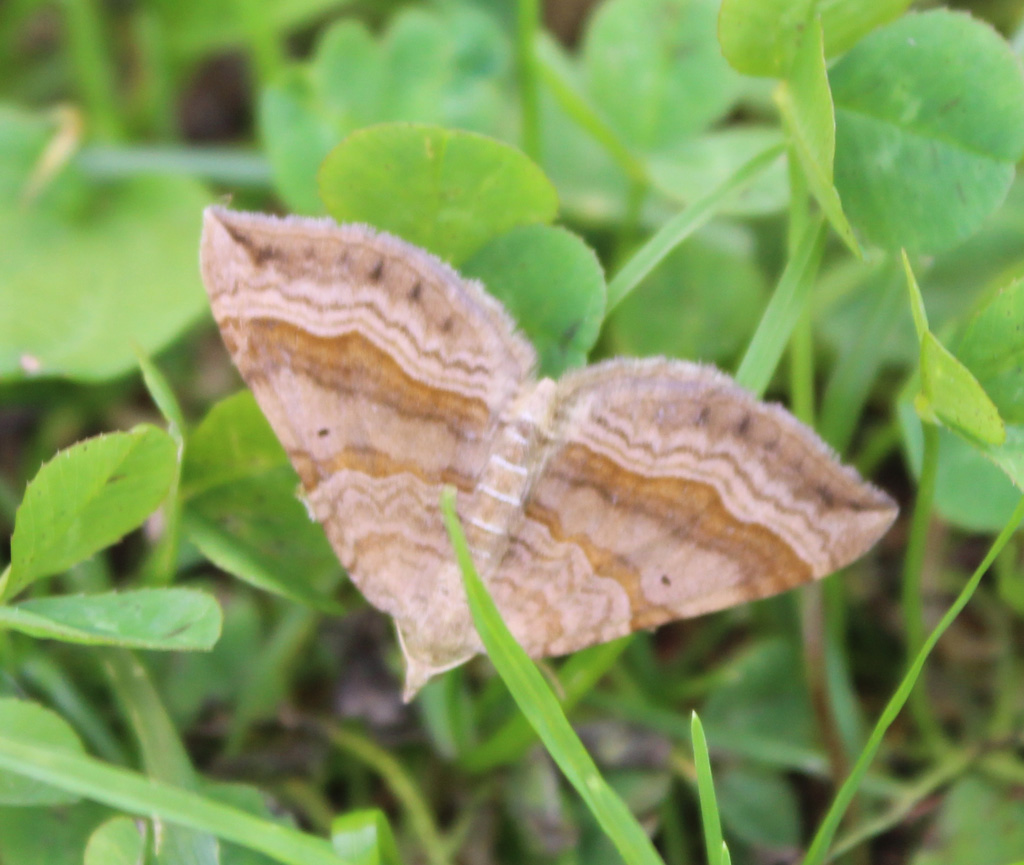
674	419
349	364
635	528
379	464
359	377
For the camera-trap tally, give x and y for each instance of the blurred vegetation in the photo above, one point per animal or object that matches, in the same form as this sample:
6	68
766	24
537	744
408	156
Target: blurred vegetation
719	196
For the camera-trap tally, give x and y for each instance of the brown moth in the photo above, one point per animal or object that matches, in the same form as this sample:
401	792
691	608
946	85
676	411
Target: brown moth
625	495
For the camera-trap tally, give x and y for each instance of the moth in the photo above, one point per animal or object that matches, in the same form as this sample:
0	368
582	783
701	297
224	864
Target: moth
622	496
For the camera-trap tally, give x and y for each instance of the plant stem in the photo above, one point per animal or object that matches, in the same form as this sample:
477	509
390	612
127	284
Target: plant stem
1004	767
879	442
400	783
913	566
815	639
946	771
155	103
683	224
821	603
826	831
94	68
267	675
228	166
5	581
842	695
799	201
1009	671
783	311
577	677
673	844
801	369
163	754
137	794
1004	717
801	344
59	689
576	106
851	380
528	14
257	22
9	501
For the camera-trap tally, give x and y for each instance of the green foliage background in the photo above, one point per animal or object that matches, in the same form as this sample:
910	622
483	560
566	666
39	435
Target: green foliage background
818	197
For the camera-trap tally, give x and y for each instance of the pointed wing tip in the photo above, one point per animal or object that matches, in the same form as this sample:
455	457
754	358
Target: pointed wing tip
419	671
210	245
412	687
881	515
222	253
417	674
215	217
867	526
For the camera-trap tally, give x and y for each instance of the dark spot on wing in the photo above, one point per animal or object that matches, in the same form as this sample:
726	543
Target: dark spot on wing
258	254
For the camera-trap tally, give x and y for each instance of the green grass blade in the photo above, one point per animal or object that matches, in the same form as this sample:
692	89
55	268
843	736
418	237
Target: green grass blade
162	394
706	792
161	749
826	831
162	562
35	724
94	73
901	808
527	18
576	106
55	686
783	312
273	666
163	754
262	40
403	786
912	594
683	224
136	794
577	676
541	708
854	374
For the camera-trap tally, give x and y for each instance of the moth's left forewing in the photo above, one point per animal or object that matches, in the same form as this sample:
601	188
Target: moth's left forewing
385	376
681	494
